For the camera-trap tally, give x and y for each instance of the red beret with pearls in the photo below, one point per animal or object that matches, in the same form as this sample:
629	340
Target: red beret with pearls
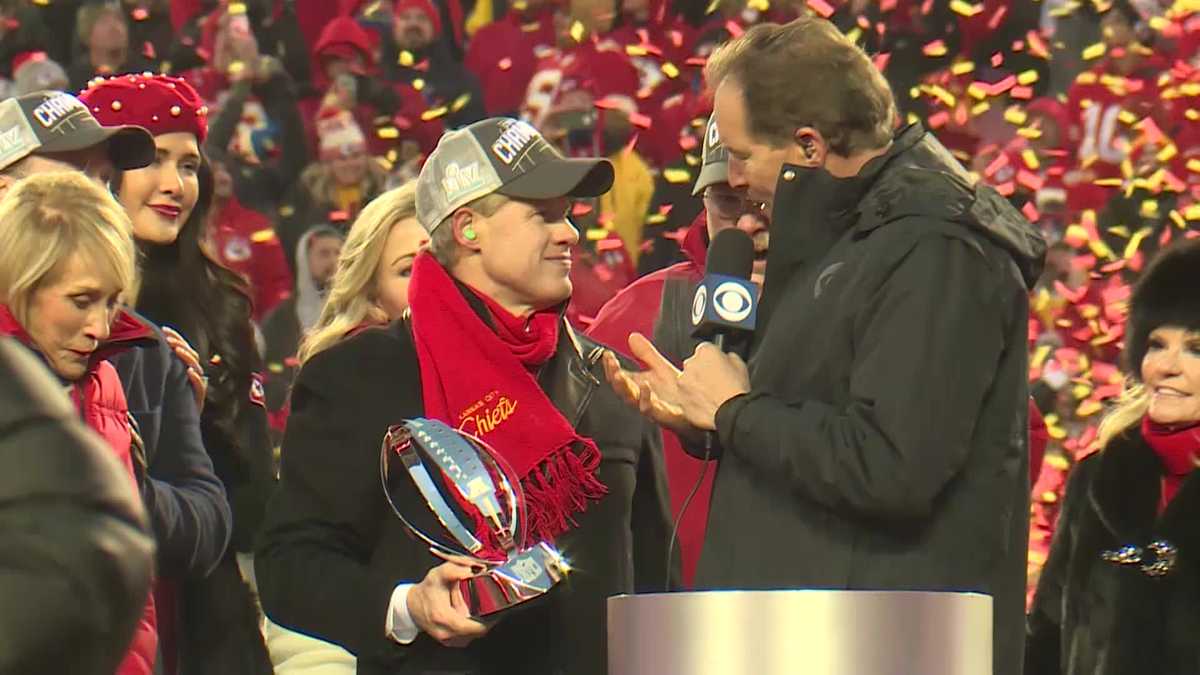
160	103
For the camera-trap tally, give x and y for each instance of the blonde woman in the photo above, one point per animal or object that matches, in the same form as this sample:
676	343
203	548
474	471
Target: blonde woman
66	257
369	288
371	283
1120	593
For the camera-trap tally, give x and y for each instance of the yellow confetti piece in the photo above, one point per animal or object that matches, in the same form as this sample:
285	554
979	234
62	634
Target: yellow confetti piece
596	233
1192	212
406	58
1177	218
963	67
263	236
712	7
1081	391
1086	78
759	5
236	8
576	32
965	8
1192	114
433	113
1094	51
1108	182
1159	23
1057	461
276	368
656	219
1039	357
1127	117
286	210
42	3
388	132
1031	159
1088	408
676	176
1120	231
1027	78
1190	89
942	95
1048	497
1057	433
977	92
1030	133
1193	165
460	103
935	49
670	70
1016	116
1101	250
636	50
1077	234
854	35
1166	154
418	84
913	118
980	108
1135	241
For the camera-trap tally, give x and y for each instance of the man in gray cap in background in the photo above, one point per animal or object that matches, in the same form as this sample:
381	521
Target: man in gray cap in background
487	350
54	131
660	304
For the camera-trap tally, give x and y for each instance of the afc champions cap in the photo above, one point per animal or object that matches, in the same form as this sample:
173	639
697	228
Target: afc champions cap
505	156
53	121
714	164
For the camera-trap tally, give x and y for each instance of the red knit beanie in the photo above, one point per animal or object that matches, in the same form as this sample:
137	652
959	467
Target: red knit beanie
160	103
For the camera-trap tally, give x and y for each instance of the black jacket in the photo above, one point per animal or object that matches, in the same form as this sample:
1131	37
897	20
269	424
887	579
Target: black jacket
77	558
1096	617
884	442
332	551
186	501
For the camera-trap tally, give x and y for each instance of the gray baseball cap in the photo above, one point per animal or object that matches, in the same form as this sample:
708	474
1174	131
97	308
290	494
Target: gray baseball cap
53	121
714	163
505	156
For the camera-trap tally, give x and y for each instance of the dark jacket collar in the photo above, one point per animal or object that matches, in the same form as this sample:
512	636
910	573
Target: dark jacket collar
1125	494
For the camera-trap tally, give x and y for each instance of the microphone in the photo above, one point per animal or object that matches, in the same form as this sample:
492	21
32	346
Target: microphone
724	307
724	310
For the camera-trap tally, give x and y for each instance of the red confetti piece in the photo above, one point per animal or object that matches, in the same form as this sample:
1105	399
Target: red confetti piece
1018	45
339	216
994	21
938	119
687	143
887	5
881	61
204	54
640	121
926	7
1030	180
609	244
581	209
505	63
1037	46
1023	93
1115	266
696	61
821	7
1073	297
997	60
734	28
676	235
1006	189
291	362
935	48
140	14
1030	211
148	50
996	164
665	209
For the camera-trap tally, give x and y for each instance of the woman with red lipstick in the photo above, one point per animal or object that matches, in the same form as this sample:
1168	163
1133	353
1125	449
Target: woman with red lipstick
67	258
182	286
1120	592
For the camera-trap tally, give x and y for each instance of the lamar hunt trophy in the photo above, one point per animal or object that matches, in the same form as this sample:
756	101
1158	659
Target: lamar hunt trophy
454	473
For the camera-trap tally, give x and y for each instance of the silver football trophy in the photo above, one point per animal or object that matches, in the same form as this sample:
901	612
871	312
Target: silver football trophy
438	461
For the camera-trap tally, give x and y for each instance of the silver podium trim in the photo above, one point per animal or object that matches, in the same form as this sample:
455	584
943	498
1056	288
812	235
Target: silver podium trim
800	632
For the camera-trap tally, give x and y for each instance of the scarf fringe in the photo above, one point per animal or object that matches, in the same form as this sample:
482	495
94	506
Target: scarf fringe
557	490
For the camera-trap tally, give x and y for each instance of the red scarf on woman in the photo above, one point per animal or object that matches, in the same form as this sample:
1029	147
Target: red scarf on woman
480	379
1177	449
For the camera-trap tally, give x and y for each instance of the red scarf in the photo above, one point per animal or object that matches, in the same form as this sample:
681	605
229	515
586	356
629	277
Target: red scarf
481	380
1177	449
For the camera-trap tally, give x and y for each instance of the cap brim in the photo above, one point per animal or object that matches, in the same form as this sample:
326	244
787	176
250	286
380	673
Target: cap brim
129	147
711	174
562	178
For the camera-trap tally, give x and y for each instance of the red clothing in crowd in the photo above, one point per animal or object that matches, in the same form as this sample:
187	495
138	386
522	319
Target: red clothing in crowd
244	241
100	400
634	310
1102	140
504	56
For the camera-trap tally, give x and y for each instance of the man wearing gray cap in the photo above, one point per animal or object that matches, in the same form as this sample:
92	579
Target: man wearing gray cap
487	350
54	131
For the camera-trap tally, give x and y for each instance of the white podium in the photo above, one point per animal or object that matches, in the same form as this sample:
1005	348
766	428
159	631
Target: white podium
800	633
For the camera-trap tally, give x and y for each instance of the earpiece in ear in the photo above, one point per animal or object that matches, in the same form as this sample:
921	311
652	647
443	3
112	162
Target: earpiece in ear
469	233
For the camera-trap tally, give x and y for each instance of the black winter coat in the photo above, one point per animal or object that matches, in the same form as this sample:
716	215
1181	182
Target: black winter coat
332	551
884	442
1095	617
77	558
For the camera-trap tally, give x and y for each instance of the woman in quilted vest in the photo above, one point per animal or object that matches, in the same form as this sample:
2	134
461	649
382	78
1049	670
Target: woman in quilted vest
66	256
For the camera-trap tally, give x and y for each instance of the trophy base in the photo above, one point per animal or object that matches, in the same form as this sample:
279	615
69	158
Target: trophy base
527	575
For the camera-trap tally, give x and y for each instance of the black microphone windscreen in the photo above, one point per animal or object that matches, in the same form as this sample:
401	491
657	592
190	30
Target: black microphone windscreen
731	253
